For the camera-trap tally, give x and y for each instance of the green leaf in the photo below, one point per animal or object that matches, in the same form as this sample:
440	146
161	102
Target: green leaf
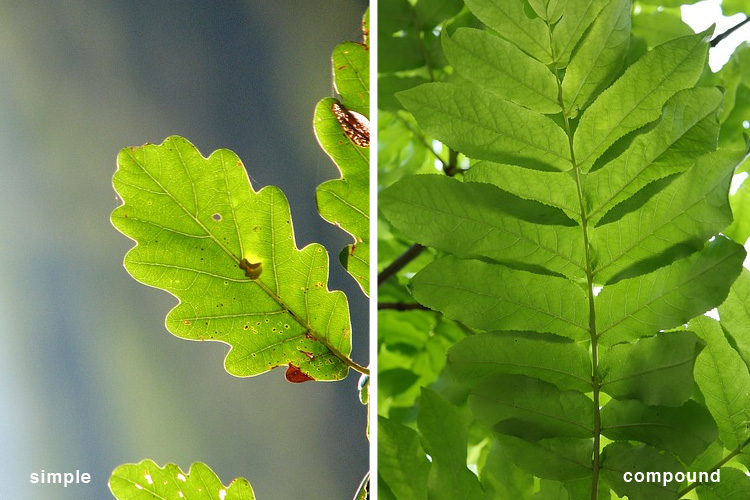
599	58
510	20
690	210
502	68
346	201
484	126
345	137
445	434
432	13
670	296
501	479
351	75
725	383
561	458
659	27
656	370
735	315
577	17
556	189
363	492
637	97
620	458
733	484
446	214
198	224
148	481
687	129
495	297
554	359
530	408
686	431
402	463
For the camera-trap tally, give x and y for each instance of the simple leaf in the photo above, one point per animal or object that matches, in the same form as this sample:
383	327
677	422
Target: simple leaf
724	381
345	137
495	297
554	359
486	127
148	481
195	221
670	296
637	97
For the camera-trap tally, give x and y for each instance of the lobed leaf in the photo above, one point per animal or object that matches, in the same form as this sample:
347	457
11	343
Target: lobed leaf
198	224
148	481
345	202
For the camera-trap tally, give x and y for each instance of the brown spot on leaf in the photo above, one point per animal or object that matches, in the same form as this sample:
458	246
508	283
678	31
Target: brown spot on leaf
296	376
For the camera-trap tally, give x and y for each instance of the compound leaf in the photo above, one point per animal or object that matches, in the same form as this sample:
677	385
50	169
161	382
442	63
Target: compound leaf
637	97
227	252
474	220
495	297
656	370
724	381
148	481
554	359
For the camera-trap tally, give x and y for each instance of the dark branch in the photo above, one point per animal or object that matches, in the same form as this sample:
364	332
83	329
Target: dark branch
398	264
402	306
728	32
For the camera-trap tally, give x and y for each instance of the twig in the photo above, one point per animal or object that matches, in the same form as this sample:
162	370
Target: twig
402	306
728	32
398	264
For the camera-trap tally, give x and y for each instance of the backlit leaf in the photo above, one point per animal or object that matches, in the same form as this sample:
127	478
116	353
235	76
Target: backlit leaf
195	220
148	481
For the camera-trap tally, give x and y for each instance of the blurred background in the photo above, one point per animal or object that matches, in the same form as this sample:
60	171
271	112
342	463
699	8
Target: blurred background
91	378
